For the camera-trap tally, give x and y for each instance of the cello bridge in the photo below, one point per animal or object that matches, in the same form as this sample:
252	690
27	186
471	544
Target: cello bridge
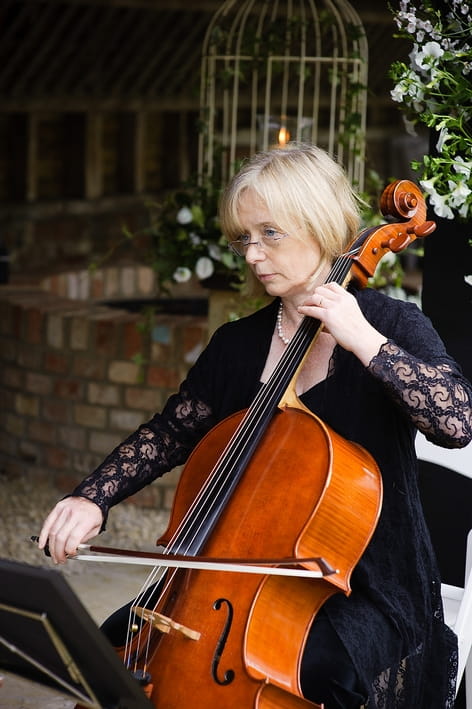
165	624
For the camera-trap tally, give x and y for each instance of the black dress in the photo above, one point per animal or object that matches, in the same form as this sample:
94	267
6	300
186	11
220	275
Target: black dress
391	626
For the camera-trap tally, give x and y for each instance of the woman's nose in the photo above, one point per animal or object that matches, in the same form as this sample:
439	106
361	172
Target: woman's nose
254	252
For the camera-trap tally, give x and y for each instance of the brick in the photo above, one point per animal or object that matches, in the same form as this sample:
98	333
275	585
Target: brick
192	336
146	281
72	280
105	338
163	377
133	341
29	452
57	457
29	356
42	431
123	372
55	331
12	468
9	350
26	405
56	411
147	399
8	400
112	287
34	326
68	388
103	443
15	425
8	446
89	367
38	383
126	420
72	436
13	377
90	416
6	318
79	333
97	285
16	321
149	497
128	287
56	362
104	394
85	462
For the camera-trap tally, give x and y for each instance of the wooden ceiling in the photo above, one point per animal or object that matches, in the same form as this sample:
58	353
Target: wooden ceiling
73	55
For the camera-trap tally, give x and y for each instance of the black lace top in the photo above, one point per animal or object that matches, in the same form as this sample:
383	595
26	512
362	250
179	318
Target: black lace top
392	623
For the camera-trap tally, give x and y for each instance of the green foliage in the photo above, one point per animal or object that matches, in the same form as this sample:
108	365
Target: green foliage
186	239
435	89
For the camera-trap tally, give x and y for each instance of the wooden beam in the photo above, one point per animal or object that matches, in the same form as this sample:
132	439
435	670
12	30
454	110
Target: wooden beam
93	156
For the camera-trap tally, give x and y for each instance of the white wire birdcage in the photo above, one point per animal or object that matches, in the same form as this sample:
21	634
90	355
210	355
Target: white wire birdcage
280	70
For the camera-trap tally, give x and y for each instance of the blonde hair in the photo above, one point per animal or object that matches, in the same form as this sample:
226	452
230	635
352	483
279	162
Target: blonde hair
301	186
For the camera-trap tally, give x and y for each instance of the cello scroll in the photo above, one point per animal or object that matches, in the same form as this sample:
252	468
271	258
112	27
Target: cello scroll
403	200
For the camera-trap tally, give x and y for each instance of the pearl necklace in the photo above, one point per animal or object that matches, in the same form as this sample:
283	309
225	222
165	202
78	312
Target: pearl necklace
280	332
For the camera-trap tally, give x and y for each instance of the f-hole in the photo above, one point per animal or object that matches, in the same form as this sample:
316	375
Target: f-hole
220	646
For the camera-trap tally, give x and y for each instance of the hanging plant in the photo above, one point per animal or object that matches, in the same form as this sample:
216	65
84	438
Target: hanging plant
435	89
186	238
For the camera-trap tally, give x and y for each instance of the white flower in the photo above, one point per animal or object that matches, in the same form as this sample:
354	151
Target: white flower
443	138
428	185
182	274
468	280
195	239
432	49
398	92
459	193
462	167
389	258
440	207
204	267
423	58
184	215
215	251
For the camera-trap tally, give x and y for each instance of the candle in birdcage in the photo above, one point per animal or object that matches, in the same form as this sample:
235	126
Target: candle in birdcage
284	136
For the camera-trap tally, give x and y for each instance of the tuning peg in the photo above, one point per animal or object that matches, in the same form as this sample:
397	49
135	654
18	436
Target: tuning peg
421	230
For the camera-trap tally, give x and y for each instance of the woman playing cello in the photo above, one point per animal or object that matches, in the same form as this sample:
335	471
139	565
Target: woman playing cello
377	372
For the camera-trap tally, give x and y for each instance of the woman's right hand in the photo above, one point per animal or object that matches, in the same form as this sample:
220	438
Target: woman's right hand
71	522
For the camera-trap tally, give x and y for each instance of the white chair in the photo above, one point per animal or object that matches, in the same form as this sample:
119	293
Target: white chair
457	600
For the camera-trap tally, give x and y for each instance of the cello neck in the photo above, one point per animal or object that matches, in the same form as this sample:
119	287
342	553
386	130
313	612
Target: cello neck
198	525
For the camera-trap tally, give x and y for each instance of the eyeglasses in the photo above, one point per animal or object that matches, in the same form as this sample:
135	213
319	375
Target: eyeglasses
269	239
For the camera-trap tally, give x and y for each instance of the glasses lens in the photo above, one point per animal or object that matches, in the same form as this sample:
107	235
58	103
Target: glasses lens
237	248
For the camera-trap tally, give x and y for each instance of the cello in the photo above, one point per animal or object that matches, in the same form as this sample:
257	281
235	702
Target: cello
233	639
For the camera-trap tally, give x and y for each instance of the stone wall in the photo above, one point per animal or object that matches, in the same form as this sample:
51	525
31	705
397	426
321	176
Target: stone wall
77	377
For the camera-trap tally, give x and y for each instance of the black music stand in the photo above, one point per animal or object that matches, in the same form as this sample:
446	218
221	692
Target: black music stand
47	635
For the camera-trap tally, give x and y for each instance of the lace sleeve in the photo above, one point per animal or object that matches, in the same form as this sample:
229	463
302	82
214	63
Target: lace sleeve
155	448
436	399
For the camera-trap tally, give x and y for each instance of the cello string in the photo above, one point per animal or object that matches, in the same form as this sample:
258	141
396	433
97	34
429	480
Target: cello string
225	466
258	408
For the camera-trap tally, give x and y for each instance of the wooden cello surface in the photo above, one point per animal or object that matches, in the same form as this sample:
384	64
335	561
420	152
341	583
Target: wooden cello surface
323	494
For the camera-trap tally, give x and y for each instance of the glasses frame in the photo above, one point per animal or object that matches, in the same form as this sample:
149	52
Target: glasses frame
239	247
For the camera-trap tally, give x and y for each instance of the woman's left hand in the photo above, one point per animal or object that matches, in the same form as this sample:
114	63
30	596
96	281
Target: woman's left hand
339	312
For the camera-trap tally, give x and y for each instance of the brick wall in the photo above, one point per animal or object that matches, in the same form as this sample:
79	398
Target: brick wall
72	382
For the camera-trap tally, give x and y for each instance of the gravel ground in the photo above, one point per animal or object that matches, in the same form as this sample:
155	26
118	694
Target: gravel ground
101	587
25	502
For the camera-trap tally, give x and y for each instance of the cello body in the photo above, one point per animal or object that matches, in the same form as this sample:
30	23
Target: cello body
250	630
